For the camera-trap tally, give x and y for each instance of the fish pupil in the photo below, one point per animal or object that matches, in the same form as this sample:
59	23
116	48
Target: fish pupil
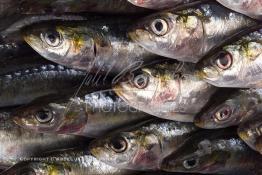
118	145
52	38
159	26
141	81
42	115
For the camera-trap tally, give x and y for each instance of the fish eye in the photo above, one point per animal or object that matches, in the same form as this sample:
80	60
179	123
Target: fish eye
159	27
223	114
224	60
52	38
141	81
118	144
191	163
44	116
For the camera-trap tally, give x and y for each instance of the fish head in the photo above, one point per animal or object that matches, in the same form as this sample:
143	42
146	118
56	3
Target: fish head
129	150
168	34
197	157
51	118
37	168
66	45
225	114
232	65
148	88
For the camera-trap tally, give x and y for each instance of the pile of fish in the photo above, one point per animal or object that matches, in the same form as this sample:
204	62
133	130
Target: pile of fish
130	87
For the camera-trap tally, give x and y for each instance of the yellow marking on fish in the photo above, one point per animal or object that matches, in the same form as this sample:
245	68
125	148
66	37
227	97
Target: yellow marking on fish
76	39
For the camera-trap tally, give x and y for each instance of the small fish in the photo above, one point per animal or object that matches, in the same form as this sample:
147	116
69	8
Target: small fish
220	152
238	64
230	108
38	80
18	144
251	130
167	90
69	6
93	116
97	44
141	147
252	8
156	4
188	33
67	162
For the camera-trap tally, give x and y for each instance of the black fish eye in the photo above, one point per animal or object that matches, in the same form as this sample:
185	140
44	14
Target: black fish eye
159	27
223	114
118	144
44	116
191	163
52	38
141	81
224	60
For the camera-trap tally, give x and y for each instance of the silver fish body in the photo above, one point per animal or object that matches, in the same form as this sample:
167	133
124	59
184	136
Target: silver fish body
155	4
188	33
237	64
220	152
169	91
93	116
98	44
18	144
142	147
66	162
230	108
252	8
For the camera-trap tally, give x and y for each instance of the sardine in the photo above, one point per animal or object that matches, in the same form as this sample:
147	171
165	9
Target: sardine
94	116
237	64
18	144
230	108
220	152
188	33
23	85
252	8
67	162
156	4
142	147
251	130
98	44
169	90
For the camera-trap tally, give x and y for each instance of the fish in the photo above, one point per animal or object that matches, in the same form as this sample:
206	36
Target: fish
230	109
167	90
189	32
141	147
38	80
73	161
158	5
95	115
98	44
250	131
18	144
235	65
217	152
61	7
251	8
